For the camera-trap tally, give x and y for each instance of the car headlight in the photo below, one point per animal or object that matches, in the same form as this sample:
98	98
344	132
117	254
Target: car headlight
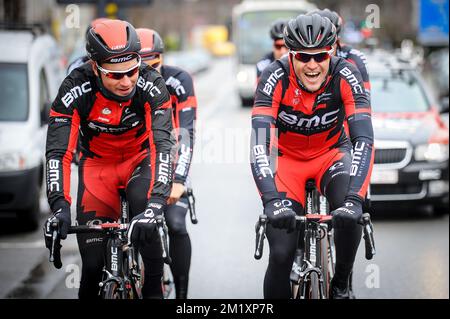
19	160
11	161
242	76
434	152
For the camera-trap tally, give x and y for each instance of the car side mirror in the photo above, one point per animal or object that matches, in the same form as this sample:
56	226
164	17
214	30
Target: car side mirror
444	105
45	113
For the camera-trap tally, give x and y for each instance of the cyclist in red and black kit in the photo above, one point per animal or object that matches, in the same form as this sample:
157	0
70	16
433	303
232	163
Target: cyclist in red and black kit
279	48
301	103
184	106
345	51
122	113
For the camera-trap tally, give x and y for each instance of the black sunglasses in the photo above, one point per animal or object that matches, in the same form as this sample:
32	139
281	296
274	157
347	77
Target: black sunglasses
305	57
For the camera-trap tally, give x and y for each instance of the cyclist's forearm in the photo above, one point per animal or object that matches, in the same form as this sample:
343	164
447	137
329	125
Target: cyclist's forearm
361	133
260	160
62	137
185	150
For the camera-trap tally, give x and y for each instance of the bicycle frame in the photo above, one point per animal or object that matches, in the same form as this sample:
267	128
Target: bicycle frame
315	233
118	258
315	263
122	265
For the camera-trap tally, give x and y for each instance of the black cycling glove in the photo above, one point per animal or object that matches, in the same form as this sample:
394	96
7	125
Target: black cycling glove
348	215
143	225
279	215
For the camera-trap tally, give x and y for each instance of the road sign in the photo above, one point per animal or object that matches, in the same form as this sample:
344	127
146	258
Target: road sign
433	22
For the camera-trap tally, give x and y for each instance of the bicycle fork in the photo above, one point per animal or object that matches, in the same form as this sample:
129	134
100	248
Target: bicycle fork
312	263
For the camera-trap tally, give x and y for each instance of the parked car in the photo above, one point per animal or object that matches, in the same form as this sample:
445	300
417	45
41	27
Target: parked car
411	139
30	72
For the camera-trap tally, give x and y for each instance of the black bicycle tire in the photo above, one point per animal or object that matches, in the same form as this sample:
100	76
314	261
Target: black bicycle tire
324	262
312	290
137	285
109	290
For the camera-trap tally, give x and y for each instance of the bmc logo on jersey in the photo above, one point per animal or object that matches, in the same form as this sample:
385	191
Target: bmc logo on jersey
304	122
76	92
352	80
148	86
272	81
176	84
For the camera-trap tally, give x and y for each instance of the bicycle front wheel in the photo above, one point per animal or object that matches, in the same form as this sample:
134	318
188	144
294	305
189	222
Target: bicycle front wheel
326	266
111	291
313	286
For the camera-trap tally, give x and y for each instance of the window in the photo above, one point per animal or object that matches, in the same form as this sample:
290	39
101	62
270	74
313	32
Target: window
13	92
397	94
43	92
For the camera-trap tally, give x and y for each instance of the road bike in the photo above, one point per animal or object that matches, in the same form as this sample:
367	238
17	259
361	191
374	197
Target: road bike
123	272
313	266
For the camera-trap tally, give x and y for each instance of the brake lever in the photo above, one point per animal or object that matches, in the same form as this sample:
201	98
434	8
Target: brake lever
260	229
368	236
191	202
162	231
54	226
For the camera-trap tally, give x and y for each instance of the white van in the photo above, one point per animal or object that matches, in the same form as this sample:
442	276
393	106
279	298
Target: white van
251	25
30	74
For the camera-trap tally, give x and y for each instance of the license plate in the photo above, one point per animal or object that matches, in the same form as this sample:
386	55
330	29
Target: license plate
384	177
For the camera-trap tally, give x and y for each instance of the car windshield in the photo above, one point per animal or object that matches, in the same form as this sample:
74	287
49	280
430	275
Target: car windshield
397	94
13	92
253	33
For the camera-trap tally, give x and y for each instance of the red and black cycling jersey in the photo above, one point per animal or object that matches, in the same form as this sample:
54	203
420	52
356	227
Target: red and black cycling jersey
357	58
308	124
184	106
109	130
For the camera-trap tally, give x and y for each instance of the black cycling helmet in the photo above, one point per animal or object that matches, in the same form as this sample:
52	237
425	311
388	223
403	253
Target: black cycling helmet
276	29
334	17
151	42
109	39
309	32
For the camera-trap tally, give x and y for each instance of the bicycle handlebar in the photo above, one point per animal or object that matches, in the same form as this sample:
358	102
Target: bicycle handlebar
55	251
365	221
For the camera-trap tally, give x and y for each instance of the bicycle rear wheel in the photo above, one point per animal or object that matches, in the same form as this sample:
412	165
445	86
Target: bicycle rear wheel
111	291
